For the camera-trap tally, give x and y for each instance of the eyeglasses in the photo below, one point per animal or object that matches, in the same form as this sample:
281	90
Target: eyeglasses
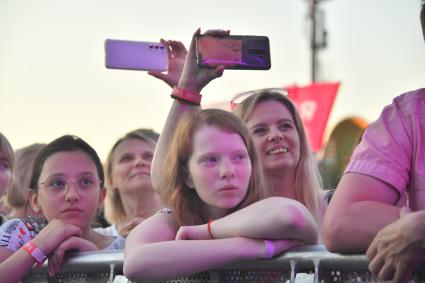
242	96
58	185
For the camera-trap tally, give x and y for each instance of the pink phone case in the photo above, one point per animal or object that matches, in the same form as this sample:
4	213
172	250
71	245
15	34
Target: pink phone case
135	55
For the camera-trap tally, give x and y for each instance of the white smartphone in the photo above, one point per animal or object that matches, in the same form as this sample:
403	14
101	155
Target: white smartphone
135	55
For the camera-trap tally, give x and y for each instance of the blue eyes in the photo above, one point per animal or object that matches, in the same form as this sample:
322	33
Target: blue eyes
210	160
240	157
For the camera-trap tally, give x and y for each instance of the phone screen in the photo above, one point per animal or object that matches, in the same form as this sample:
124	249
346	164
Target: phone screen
243	52
216	51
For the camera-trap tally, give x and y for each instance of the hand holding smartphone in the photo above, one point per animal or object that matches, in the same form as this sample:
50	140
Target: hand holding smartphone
243	52
135	55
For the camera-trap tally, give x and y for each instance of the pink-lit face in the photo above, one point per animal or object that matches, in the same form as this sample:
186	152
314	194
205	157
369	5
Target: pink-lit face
131	166
73	205
5	173
275	136
219	169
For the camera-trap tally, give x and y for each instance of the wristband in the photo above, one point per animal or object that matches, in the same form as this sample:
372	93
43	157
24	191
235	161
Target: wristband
187	96
35	252
269	249
209	228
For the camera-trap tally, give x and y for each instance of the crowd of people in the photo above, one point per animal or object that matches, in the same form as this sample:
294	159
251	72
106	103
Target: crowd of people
216	187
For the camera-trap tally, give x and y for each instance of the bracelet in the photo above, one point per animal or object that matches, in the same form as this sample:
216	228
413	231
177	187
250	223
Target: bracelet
209	228
35	252
187	96
269	249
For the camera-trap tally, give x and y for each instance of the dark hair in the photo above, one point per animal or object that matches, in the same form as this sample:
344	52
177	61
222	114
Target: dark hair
64	143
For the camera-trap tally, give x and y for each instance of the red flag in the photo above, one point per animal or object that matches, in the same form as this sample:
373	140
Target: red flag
314	103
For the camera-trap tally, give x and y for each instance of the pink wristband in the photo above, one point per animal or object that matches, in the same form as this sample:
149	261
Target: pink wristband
35	252
187	96
269	249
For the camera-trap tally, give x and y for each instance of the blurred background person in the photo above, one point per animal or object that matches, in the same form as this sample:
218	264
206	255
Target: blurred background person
130	197
7	161
17	196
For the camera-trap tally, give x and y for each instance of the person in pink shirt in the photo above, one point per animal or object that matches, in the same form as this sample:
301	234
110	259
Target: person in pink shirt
379	204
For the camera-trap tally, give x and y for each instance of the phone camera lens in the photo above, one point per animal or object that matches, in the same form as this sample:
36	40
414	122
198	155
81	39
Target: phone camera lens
161	46
151	46
156	46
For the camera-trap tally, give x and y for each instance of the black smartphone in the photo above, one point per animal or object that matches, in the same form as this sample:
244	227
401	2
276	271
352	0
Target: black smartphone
135	55
242	52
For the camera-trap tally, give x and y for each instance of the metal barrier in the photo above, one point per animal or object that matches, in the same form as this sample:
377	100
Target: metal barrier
307	264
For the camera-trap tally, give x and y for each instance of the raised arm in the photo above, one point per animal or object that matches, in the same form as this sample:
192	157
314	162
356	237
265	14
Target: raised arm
271	218
178	108
192	79
165	258
360	208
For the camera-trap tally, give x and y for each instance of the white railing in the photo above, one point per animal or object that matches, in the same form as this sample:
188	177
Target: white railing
307	264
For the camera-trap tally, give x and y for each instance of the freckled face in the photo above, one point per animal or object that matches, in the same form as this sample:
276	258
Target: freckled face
219	168
275	136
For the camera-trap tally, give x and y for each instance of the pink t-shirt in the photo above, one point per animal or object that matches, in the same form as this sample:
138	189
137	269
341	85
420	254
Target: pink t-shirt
393	148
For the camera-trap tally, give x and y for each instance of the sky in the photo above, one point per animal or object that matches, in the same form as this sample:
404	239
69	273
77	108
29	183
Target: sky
53	79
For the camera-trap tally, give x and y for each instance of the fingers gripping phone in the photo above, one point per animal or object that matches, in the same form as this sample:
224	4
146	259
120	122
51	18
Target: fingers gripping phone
244	52
135	55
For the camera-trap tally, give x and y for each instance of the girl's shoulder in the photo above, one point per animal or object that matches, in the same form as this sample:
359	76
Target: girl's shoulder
14	233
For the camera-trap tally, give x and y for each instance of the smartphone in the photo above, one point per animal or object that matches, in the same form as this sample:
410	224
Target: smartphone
135	55
243	52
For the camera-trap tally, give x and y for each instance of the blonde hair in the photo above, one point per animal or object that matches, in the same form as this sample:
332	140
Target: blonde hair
186	205
7	148
114	207
17	196
308	180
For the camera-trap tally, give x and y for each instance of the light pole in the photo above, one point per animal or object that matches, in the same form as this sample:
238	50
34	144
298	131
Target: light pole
318	34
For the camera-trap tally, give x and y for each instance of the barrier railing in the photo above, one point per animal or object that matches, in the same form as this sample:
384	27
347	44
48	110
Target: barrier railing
307	264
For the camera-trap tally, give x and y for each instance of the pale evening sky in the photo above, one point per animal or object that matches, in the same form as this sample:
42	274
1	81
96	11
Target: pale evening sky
53	80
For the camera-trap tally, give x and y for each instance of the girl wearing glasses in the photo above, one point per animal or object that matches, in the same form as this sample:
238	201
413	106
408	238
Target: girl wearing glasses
218	212
66	187
272	120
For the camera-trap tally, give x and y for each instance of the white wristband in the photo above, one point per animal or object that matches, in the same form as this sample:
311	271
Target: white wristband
269	249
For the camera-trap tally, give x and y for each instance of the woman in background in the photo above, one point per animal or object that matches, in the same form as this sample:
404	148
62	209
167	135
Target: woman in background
130	197
17	196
